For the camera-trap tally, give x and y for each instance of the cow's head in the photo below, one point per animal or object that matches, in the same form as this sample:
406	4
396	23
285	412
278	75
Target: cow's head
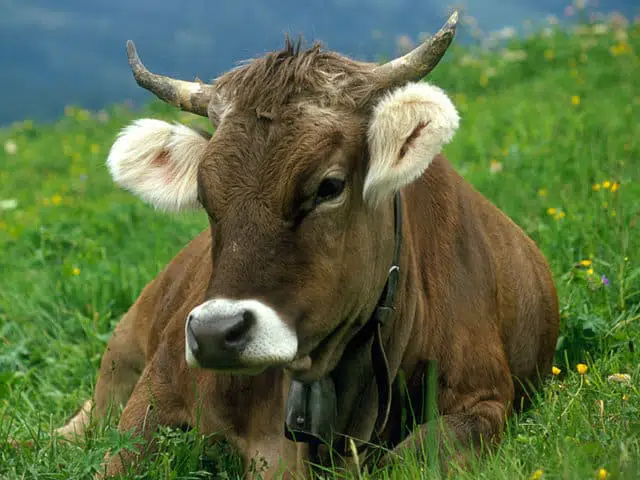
297	181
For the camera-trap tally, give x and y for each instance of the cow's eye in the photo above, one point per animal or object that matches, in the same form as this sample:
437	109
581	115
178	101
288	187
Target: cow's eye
329	189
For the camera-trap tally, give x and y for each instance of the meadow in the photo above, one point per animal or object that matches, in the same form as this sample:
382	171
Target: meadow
550	133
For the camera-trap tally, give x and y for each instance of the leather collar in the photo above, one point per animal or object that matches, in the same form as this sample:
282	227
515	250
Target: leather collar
311	408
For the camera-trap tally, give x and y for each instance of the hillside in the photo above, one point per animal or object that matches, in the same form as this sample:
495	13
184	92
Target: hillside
549	133
65	52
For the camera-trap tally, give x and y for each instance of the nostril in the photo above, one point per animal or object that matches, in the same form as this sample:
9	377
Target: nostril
238	332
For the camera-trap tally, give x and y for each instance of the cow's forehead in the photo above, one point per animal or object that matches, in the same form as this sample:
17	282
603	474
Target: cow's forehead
280	78
249	155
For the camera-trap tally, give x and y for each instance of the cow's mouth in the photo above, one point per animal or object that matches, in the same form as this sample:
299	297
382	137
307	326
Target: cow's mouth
312	365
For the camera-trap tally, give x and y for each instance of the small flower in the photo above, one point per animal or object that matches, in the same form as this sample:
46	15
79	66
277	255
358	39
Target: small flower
606	184
603	474
542	192
537	475
8	204
585	263
614	187
621	48
495	166
560	215
590	271
103	116
56	199
10	147
75	272
551	211
95	148
604	280
625	397
582	368
595	187
556	371
619	378
575	100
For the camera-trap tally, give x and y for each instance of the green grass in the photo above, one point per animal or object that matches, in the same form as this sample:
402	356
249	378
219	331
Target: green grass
76	252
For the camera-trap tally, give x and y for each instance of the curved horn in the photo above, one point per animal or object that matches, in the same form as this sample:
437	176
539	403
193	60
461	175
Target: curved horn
191	97
420	61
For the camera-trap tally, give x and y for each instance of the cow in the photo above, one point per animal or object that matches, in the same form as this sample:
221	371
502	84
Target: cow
344	253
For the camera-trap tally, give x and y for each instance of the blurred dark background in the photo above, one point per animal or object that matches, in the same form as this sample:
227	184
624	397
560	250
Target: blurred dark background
59	52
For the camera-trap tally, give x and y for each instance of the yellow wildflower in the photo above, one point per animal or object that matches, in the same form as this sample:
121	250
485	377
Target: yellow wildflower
590	271
560	215
625	397
621	48
595	187
551	211
575	100
56	199
606	184
586	263
555	370
95	148
537	475
603	474
614	187
75	272
582	368
542	192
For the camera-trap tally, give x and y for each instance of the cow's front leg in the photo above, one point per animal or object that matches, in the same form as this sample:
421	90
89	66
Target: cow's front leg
154	402
454	436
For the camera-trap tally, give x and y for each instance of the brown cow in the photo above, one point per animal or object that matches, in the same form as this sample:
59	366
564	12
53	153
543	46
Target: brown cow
343	249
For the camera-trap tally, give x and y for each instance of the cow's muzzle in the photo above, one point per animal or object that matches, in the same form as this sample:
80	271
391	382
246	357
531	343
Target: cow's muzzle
237	335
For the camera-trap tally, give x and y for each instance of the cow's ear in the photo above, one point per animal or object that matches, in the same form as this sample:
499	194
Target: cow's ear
158	161
408	128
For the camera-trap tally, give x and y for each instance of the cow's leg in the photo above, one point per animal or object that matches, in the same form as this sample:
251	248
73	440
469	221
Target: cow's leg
154	402
121	365
460	434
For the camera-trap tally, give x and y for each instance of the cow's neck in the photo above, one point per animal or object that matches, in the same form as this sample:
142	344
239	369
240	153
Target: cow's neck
362	378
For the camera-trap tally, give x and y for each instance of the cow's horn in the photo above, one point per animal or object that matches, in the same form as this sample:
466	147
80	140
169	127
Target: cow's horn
421	60
191	97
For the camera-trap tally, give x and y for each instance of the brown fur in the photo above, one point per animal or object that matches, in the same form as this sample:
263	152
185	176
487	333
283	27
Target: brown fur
475	294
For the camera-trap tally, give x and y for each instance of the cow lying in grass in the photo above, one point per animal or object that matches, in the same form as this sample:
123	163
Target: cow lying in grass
343	249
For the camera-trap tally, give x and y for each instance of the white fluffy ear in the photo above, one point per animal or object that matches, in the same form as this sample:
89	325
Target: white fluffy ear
408	129
158	162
